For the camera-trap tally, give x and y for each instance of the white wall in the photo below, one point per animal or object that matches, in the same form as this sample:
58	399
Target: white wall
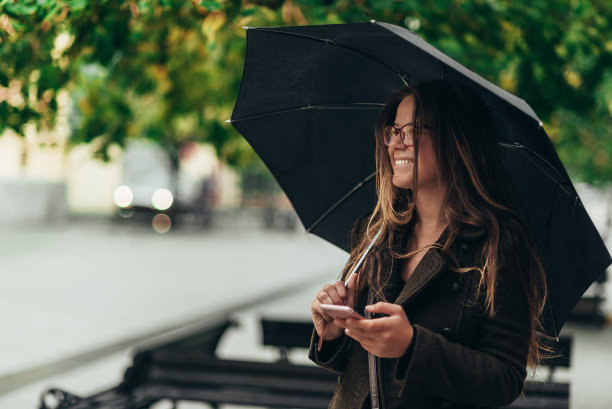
78	183
598	203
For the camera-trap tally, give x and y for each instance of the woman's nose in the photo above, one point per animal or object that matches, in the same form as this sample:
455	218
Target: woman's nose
397	143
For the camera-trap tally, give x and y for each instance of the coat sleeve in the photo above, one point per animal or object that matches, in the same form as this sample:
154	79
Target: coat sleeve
333	354
491	373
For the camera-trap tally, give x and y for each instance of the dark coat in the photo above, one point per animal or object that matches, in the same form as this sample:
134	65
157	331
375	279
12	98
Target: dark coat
460	357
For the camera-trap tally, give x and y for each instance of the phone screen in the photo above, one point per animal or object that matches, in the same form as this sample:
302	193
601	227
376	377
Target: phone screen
341	311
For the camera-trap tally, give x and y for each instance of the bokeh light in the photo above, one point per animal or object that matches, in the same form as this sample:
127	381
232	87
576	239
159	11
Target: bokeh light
162	223
123	196
162	199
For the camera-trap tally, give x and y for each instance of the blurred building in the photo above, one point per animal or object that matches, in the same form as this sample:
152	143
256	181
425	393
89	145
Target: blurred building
42	181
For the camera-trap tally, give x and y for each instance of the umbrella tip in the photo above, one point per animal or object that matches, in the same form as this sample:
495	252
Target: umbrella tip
246	27
372	21
228	121
541	124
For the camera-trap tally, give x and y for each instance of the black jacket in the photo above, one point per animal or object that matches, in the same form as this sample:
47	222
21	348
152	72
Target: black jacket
460	357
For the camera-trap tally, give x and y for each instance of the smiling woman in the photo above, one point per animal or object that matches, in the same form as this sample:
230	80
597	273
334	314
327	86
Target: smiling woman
454	277
399	139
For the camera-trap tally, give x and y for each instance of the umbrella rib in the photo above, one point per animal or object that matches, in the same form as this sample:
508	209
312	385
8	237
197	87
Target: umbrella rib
401	75
554	319
497	104
347	105
517	145
332	42
339	202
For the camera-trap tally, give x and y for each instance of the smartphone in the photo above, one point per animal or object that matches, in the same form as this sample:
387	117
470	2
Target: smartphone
341	311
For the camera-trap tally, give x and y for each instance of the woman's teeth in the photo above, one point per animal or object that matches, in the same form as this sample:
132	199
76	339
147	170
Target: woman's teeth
402	162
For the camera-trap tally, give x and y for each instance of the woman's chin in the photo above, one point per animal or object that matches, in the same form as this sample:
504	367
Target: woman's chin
402	182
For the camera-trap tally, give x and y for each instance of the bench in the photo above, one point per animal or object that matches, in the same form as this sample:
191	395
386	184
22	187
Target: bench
285	335
203	337
182	371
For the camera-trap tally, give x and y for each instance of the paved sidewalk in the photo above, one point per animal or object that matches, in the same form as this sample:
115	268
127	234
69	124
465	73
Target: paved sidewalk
74	288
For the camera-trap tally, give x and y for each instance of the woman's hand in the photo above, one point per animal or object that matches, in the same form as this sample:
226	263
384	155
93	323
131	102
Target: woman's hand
386	337
331	294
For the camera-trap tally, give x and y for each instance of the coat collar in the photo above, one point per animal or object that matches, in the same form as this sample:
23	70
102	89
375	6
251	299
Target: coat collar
432	263
427	270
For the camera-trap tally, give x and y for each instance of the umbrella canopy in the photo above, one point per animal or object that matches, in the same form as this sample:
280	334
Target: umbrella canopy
309	102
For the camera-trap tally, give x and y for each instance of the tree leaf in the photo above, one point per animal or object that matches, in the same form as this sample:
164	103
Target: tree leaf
22	8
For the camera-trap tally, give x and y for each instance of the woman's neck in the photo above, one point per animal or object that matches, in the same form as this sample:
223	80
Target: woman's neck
430	219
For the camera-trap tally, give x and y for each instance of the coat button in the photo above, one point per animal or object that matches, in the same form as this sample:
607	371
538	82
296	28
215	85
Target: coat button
447	333
465	247
455	287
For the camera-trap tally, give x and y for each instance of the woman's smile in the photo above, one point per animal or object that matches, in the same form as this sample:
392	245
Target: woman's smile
403	162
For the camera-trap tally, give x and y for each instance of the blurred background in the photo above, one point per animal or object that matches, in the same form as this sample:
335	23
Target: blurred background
129	207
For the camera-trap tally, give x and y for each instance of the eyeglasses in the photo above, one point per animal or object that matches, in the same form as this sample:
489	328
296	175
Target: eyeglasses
406	133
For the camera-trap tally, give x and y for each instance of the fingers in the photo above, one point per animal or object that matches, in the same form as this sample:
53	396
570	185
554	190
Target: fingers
330	294
365	328
384	308
377	327
387	337
315	308
341	290
323	323
333	294
362	336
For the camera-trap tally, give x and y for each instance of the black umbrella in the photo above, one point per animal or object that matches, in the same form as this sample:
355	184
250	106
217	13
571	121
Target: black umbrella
308	104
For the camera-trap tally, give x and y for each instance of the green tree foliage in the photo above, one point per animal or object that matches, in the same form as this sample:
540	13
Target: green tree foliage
170	69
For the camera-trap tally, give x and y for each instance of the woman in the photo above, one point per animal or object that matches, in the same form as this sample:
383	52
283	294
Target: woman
454	279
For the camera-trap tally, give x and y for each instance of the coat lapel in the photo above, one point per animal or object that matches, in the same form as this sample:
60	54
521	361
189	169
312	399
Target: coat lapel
427	270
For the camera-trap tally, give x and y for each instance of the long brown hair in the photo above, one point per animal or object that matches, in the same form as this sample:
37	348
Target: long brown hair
475	194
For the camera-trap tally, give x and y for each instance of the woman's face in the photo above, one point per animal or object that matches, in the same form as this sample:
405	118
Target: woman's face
402	156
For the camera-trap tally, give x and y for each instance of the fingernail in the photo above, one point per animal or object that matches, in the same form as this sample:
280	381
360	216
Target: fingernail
346	331
369	307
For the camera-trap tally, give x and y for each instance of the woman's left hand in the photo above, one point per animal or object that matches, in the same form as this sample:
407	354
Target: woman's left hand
386	337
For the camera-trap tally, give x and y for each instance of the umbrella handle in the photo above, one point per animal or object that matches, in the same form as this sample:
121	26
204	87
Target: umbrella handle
371	358
363	256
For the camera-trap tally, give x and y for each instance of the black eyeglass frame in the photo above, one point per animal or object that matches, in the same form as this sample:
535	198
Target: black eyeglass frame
403	135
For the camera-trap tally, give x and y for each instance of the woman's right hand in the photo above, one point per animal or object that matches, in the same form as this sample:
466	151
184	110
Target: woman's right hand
336	294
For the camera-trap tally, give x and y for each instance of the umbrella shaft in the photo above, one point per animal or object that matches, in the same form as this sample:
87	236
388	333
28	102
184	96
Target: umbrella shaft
373	380
363	256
